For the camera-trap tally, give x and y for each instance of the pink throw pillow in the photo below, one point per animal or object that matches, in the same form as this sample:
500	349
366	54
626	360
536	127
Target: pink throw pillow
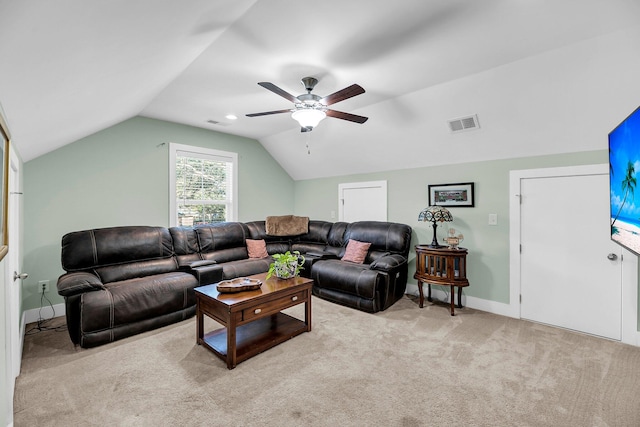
356	251
257	248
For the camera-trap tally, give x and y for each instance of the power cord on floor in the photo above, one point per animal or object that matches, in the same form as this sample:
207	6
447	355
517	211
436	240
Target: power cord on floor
40	325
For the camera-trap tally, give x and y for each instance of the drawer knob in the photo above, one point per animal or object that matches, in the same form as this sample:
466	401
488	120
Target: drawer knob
257	311
294	298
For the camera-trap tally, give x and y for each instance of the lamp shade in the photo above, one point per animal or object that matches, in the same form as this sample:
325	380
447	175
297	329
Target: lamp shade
435	214
308	117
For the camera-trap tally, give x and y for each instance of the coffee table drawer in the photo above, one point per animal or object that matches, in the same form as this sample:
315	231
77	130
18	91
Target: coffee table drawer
274	306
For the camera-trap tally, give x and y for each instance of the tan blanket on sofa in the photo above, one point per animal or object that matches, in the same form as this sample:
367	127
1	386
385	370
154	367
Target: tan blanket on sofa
287	225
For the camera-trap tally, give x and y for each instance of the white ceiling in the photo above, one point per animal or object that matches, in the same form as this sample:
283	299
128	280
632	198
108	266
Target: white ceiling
70	68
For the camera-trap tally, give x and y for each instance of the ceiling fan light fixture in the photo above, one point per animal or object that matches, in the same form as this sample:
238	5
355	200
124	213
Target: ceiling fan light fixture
310	109
309	117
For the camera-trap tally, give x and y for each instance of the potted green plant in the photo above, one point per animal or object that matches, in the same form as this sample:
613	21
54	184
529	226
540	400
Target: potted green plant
286	265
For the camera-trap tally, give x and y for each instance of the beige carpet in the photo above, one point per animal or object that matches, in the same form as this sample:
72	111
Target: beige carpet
403	367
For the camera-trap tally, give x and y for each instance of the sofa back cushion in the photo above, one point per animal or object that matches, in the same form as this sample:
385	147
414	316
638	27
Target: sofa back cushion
318	233
336	236
257	231
223	235
185	244
89	249
223	242
385	237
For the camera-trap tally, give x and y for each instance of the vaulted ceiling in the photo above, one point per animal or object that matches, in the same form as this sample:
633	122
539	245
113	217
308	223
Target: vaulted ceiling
70	68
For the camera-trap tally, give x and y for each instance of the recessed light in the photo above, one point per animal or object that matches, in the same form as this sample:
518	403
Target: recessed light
231	117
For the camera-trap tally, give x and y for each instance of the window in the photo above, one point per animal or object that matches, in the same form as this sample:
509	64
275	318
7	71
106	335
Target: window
203	185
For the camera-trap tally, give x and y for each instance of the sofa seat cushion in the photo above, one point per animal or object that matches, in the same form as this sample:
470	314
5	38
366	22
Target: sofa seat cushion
246	267
347	277
133	300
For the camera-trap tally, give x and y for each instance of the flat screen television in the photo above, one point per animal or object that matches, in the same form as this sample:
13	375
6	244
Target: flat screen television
624	194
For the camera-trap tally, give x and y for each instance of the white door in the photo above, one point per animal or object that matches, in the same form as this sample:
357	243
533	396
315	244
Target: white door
567	278
12	289
363	201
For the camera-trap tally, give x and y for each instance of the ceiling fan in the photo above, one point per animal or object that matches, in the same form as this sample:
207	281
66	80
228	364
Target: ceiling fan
309	109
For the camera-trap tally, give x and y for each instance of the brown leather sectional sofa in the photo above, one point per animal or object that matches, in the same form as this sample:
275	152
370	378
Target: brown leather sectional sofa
121	281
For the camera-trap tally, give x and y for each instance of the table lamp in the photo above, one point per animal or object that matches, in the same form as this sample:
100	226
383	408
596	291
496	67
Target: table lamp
435	214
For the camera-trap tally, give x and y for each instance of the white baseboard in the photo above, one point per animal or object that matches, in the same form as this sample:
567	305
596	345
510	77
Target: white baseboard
632	338
46	312
438	293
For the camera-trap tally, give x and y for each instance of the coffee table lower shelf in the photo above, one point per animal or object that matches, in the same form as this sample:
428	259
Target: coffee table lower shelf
255	337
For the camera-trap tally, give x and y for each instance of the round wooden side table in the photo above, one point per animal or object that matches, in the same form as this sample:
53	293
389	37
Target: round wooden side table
441	266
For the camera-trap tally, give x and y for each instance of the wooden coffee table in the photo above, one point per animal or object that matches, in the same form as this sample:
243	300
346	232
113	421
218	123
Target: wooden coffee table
252	320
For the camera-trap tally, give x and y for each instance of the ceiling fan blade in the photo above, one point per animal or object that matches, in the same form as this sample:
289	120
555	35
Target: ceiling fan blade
266	113
347	116
275	89
343	94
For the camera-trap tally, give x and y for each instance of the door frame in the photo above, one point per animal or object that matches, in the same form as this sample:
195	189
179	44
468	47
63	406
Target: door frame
13	326
630	334
382	185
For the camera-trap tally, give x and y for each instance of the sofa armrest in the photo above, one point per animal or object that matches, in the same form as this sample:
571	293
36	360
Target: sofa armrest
191	266
388	262
76	283
201	263
208	274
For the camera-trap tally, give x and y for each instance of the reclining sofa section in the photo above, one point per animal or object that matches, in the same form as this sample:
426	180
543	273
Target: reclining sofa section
121	281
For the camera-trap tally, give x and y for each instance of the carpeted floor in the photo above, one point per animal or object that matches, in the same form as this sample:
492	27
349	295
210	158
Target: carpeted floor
403	367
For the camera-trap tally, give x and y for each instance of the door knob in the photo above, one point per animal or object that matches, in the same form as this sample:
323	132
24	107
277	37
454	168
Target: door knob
612	257
17	276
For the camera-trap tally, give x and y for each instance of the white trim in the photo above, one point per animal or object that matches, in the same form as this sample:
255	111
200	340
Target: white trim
353	185
630	334
198	152
23	328
439	293
13	338
32	315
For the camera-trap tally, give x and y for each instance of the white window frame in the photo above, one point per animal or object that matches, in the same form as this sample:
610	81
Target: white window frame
232	214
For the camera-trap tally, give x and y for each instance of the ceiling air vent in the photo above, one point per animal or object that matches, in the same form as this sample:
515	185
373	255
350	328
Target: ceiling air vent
464	123
215	122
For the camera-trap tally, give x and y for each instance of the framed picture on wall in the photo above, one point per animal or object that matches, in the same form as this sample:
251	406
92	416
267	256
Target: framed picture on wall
452	195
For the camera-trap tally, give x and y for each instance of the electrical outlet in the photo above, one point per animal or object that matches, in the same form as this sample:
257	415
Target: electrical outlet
43	286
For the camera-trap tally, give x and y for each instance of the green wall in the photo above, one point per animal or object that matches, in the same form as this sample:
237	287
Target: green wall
488	260
120	176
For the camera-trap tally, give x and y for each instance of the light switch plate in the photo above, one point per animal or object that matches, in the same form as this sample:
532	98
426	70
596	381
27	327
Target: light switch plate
493	219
